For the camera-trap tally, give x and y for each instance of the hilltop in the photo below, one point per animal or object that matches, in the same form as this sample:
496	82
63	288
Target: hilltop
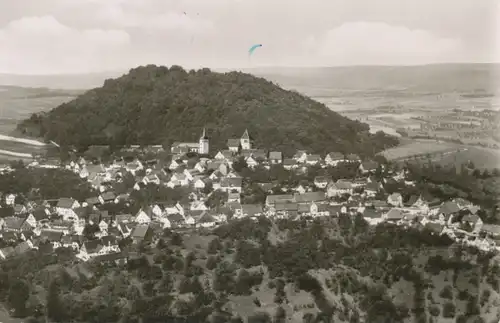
158	105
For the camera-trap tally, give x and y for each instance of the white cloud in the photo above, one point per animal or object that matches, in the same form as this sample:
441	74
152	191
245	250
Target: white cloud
380	43
35	45
169	21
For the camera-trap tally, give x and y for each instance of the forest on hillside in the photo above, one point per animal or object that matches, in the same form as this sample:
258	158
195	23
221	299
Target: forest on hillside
160	105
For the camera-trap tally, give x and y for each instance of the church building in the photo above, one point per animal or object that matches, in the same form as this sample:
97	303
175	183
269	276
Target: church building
200	147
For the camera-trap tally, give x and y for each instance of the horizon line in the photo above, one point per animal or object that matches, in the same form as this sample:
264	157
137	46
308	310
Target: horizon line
126	69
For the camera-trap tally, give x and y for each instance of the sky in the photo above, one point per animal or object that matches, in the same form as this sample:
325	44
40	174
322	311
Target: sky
87	36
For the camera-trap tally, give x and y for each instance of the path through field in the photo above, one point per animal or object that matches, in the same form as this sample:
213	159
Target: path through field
23	140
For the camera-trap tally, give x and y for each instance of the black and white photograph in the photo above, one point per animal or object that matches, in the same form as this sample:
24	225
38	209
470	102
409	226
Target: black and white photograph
249	161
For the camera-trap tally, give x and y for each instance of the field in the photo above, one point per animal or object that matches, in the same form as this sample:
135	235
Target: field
17	103
482	158
415	147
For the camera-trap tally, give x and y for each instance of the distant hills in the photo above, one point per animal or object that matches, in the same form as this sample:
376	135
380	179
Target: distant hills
154	105
425	78
439	78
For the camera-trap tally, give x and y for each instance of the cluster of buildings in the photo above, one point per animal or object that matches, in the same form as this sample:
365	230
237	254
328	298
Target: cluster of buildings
95	233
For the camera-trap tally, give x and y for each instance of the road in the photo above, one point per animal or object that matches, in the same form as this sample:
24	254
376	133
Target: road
23	140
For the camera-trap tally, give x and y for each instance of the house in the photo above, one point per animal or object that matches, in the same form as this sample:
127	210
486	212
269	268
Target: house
395	199
10	236
233	197
41	215
313	159
176	220
66	205
178	179
289	163
224	155
174	164
251	210
372	216
142	233
231	184
110	244
20	209
339	188
309	197
313	209
491	230
286	209
275	157
320	181
473	220
123	218
7	252
200	183
52	237
337	210
10	199
103	226
251	162
334	158
353	158
394	215
207	220
368	167
151	178
434	227
446	210
72	241
90	249
234	145
134	167
301	189
15	224
300	156
199	206
61	226
107	197
273	199
93	201
143	216
371	189
30	220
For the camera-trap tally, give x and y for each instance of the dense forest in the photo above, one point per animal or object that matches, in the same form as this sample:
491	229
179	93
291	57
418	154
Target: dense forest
160	105
330	270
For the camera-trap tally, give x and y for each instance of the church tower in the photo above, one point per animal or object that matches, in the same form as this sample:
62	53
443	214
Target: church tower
246	143
203	144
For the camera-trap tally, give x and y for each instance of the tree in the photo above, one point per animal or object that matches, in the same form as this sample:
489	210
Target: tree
217	199
90	230
214	246
176	239
239	164
19	293
56	310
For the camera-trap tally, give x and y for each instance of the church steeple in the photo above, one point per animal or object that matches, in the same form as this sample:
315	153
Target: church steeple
203	144
204	135
245	141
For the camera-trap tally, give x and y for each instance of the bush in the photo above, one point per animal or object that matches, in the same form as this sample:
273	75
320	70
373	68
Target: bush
449	310
434	310
446	293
